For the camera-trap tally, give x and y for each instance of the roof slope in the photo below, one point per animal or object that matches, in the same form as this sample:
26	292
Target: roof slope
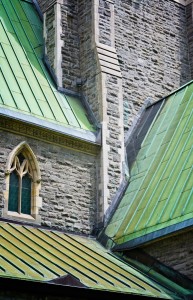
160	191
25	84
42	255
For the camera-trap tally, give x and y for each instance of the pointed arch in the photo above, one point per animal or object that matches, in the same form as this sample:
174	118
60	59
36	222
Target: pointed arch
24	148
22	181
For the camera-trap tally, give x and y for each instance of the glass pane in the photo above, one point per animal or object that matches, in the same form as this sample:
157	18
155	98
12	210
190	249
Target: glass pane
13	192
26	195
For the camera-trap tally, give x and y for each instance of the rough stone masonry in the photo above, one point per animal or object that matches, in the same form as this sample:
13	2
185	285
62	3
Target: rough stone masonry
152	46
121	52
150	38
68	183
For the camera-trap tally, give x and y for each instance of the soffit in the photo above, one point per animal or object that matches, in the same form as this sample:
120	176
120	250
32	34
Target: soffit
48	256
160	193
25	84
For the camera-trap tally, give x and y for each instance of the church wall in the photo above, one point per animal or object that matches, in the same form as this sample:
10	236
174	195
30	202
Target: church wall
104	95
175	252
61	40
45	4
189	16
68	183
71	47
152	46
49	34
151	42
88	61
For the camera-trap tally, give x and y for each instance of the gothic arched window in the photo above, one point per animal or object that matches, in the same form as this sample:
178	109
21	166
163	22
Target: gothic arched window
22	184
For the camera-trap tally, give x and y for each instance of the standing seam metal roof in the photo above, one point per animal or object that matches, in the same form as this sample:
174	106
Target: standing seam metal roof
25	84
160	191
42	255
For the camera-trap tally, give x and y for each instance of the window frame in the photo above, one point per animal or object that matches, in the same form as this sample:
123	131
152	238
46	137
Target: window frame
36	201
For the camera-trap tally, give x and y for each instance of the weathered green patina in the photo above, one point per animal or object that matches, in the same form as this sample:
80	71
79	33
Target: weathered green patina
160	191
42	255
25	84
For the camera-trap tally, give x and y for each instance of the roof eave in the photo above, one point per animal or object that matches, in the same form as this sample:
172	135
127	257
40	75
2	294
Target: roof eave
51	289
81	134
154	236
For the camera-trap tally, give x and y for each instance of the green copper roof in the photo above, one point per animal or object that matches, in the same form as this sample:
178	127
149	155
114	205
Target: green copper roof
44	255
160	191
25	84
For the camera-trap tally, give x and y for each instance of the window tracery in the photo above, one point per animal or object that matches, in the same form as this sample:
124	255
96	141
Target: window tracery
22	184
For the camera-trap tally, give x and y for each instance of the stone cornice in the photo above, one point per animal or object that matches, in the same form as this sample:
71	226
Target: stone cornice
47	135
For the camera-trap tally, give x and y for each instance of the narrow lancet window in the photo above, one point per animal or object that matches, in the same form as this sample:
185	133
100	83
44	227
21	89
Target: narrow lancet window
20	186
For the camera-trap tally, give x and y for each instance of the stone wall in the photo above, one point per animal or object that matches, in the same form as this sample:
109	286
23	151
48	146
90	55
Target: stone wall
175	252
49	35
105	30
68	183
118	53
102	86
71	48
151	41
114	134
152	46
88	61
45	4
189	16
